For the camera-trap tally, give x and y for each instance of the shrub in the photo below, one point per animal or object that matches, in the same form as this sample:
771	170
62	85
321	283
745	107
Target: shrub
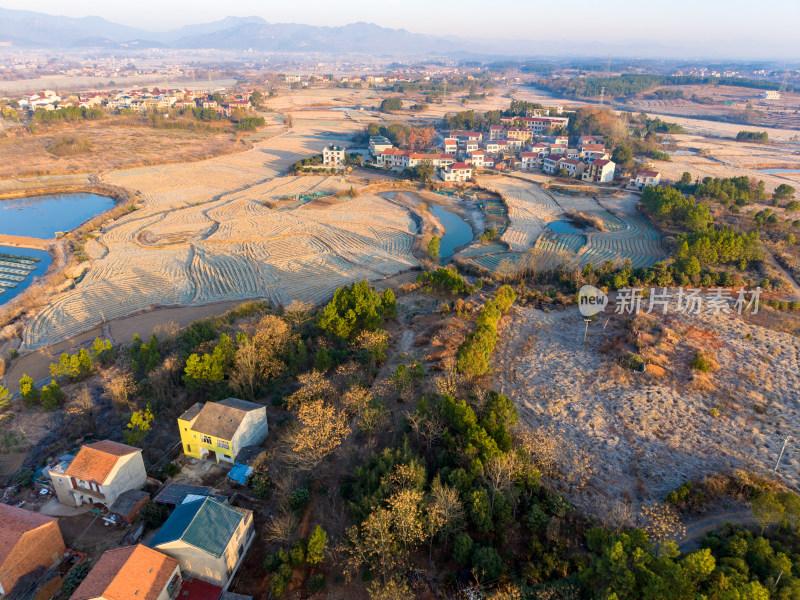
281	580
52	396
316	582
170	470
633	361
23	477
299	498
28	390
487	564
504	297
703	363
74	578
446	280
356	308
462	548
70	146
153	515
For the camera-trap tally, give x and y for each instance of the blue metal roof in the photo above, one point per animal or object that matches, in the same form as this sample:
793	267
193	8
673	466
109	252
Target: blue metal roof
240	473
204	523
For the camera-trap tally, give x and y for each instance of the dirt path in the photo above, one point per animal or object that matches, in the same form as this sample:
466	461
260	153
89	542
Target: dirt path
20	241
699	528
786	274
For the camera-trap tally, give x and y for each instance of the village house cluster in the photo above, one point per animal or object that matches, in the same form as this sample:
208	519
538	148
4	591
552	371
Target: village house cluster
525	143
193	555
139	101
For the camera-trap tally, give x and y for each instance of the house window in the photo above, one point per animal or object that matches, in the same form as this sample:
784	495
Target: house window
223	444
205	439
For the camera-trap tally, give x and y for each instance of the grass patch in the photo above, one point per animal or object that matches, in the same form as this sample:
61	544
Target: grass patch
70	146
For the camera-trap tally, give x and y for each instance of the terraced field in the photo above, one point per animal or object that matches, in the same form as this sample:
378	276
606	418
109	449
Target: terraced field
530	208
531	246
233	248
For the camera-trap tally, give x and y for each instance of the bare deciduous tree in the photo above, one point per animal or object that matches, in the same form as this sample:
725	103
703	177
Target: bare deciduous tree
164	380
499	473
322	430
374	544
119	385
445	512
662	523
428	429
313	386
247	370
407	521
280	527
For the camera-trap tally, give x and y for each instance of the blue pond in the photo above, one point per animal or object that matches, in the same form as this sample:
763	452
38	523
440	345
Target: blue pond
563	227
777	171
457	231
42	216
18	269
39	217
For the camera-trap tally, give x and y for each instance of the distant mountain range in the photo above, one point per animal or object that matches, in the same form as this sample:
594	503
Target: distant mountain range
38	30
29	29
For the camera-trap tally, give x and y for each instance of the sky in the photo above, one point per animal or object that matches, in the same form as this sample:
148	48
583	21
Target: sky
692	22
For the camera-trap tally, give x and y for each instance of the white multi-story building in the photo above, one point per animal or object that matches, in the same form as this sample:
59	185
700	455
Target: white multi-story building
599	171
333	156
456	172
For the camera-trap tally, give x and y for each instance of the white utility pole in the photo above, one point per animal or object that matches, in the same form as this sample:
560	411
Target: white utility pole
780	456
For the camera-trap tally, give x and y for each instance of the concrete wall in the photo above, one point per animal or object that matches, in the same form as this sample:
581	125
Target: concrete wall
252	430
164	595
63	488
128	474
196	562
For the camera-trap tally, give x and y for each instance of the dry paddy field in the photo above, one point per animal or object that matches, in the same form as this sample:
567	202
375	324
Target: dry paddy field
727	158
649	432
532	246
206	232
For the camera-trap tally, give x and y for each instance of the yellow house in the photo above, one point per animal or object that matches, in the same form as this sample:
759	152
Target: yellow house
218	430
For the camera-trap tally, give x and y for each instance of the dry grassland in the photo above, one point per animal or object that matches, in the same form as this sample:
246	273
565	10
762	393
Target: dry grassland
649	432
116	143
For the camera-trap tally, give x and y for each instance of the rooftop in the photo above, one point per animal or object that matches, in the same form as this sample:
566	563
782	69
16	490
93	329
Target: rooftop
95	462
222	419
174	493
204	523
14	523
130	573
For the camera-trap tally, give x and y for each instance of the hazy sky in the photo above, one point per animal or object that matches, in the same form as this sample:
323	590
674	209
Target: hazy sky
671	21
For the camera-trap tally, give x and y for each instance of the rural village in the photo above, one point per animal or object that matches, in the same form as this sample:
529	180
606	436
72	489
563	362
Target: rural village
324	336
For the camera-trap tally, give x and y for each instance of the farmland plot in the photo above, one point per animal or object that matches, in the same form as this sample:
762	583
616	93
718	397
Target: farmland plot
533	247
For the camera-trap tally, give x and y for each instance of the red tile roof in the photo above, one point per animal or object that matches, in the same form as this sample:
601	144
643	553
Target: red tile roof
94	462
601	162
648	173
14	523
195	589
130	573
460	165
